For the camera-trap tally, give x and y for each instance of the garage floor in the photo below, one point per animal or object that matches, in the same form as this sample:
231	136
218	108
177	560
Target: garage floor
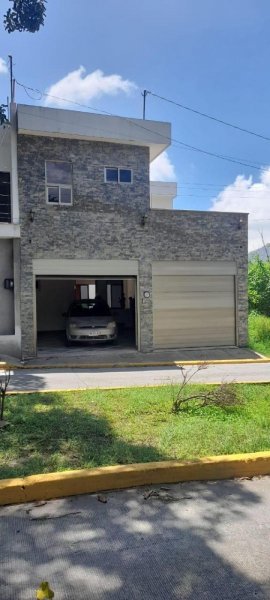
55	341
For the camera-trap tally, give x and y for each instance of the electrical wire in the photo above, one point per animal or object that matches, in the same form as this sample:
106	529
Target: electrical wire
174	141
37	91
206	116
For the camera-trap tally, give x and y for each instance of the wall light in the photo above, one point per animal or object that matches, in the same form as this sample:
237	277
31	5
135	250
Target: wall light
144	219
9	284
240	223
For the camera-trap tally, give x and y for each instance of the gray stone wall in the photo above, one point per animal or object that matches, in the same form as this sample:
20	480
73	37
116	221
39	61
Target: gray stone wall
106	222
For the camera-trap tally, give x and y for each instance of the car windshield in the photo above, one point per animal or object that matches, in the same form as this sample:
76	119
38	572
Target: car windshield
98	308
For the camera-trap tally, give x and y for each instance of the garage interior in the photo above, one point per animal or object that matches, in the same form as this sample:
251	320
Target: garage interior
54	295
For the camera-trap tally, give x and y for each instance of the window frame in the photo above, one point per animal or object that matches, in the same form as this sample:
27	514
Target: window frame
118	169
60	186
5	199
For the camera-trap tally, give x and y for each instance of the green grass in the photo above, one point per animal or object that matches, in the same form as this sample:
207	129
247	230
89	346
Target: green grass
259	333
71	430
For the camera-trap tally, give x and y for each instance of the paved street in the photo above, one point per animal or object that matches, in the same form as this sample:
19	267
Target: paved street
195	541
91	378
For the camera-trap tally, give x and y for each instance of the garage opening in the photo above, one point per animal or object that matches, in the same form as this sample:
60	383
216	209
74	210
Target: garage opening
101	311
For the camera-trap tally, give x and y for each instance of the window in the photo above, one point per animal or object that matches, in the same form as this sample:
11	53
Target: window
58	182
115	175
88	291
115	295
5	198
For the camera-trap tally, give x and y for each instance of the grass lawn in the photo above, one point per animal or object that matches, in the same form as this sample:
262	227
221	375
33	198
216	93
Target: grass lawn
259	333
71	430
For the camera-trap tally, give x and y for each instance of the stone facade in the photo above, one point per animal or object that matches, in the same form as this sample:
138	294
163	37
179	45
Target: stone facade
113	221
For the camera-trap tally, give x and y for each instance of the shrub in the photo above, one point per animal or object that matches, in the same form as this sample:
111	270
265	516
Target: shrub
259	328
223	396
259	286
4	383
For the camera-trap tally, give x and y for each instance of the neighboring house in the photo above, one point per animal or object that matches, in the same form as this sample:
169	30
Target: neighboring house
79	217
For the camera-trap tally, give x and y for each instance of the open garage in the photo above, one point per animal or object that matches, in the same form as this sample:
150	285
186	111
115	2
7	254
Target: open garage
58	300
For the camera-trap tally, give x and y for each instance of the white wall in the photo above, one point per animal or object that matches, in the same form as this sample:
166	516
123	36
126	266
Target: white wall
5	149
161	203
6	296
40	120
53	298
162	194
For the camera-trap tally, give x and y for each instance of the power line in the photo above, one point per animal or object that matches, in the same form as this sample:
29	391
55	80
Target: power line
206	116
234	160
37	91
201	184
249	197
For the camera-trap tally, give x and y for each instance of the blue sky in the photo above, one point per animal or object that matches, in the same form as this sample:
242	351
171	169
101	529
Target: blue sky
212	56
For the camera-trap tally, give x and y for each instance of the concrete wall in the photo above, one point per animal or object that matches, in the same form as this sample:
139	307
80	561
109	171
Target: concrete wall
5	149
38	120
53	298
106	223
7	326
10	309
162	194
161	202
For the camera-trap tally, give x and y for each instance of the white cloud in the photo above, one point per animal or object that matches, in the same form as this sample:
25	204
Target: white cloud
80	87
3	66
162	169
243	195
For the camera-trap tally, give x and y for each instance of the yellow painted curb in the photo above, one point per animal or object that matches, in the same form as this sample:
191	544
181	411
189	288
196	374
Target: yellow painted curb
70	483
125	387
130	365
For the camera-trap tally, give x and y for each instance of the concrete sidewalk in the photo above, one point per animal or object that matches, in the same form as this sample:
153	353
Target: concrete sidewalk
69	378
113	356
188	541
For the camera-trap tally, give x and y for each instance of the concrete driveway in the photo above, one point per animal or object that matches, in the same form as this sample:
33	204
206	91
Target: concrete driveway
195	541
83	356
52	379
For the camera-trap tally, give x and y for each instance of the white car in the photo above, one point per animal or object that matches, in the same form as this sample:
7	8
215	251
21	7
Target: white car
90	321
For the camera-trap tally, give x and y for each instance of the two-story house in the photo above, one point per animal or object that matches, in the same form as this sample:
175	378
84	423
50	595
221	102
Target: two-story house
78	217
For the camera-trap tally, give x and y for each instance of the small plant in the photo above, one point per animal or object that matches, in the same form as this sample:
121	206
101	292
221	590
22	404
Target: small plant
44	591
4	383
225	395
179	395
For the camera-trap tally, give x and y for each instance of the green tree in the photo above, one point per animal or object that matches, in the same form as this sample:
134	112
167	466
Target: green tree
259	286
25	15
3	116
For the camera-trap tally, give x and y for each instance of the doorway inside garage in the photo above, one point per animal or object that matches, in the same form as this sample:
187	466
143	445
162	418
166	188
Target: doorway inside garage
56	295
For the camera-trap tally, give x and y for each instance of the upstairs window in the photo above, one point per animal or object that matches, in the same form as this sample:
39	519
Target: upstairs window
117	175
5	198
58	182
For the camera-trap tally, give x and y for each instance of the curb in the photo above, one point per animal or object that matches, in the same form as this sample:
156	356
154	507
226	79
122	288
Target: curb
85	481
130	365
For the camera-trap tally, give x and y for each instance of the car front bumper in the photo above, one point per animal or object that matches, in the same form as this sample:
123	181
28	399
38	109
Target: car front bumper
91	335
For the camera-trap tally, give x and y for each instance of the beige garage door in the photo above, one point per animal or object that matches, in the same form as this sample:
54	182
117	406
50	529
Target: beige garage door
193	310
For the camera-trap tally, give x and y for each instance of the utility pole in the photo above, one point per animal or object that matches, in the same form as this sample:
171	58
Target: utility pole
12	80
144	94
